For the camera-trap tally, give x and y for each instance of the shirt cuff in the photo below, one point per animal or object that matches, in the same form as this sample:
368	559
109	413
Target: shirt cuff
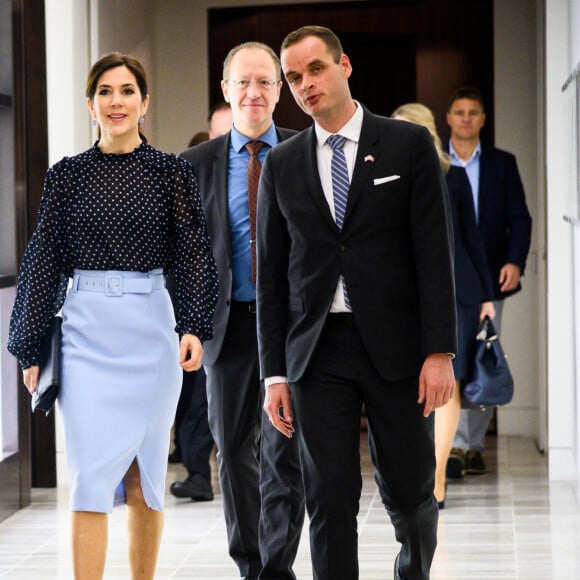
273	380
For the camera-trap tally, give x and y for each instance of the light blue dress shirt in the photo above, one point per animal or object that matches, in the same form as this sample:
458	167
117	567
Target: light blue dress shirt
471	167
243	290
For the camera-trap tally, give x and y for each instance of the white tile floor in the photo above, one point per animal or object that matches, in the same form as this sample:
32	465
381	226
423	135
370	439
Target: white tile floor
510	524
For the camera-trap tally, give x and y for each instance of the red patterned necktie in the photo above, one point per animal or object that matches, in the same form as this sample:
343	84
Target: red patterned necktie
254	169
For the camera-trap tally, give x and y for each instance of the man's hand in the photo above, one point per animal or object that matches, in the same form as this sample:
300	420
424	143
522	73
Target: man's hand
509	277
436	382
278	407
190	345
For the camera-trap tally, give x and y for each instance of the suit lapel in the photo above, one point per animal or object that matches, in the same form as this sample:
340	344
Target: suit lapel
484	186
369	147
308	166
220	192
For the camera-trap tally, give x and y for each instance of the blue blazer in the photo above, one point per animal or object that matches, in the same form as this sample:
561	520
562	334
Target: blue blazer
503	217
472	279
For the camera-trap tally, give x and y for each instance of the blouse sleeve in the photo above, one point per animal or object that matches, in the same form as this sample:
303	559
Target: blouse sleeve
41	284
192	261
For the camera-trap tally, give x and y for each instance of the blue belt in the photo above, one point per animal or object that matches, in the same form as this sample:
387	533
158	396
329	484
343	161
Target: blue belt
116	284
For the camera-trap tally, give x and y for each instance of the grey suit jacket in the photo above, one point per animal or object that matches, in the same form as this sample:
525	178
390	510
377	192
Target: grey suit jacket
210	161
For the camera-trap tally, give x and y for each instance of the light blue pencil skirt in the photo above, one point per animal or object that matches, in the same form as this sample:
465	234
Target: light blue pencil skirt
120	386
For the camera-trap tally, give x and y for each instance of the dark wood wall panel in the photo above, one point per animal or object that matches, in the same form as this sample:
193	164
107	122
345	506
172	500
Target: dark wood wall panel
400	51
37	433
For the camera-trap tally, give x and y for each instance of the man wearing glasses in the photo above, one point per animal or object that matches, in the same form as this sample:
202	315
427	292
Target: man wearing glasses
259	468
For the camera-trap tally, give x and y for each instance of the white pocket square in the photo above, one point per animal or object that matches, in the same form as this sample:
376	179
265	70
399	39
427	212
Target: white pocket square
381	180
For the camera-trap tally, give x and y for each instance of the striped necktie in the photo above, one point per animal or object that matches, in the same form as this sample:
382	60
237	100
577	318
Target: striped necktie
340	186
340	182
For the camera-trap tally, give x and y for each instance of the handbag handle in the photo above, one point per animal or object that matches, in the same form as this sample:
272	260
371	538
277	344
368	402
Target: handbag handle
486	330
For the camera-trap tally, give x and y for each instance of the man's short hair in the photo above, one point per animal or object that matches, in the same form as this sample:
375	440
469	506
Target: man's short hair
251	45
467	93
325	34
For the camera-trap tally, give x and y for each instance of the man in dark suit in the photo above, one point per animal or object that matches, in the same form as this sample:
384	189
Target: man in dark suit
192	436
259	469
505	225
356	306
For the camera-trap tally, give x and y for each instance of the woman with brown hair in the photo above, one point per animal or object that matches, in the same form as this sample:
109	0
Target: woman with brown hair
112	222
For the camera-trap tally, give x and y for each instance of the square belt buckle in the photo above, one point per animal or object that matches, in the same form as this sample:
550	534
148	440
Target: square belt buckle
113	285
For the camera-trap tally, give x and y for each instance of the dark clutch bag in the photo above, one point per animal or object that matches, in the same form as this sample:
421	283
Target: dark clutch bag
492	383
50	369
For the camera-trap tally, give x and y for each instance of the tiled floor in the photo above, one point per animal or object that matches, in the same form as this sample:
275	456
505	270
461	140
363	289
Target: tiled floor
508	524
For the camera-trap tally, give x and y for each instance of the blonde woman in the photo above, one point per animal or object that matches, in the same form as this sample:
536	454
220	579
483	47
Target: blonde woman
472	285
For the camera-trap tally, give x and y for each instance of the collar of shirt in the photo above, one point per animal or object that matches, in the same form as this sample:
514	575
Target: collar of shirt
351	130
270	138
455	159
471	167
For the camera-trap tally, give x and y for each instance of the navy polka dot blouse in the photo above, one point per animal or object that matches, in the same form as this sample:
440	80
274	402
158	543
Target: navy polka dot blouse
134	211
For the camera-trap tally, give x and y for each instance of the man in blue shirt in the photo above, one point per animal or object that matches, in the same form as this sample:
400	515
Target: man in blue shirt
505	225
259	468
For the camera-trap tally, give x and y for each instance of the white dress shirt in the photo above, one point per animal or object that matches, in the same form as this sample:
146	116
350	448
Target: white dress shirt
351	131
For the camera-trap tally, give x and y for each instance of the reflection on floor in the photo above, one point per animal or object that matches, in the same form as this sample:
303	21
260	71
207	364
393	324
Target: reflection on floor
508	524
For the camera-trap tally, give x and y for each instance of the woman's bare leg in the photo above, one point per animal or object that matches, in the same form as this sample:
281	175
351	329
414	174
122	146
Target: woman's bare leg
446	421
89	544
144	527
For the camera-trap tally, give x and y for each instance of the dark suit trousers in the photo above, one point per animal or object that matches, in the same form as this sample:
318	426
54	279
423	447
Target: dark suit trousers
327	405
194	436
259	469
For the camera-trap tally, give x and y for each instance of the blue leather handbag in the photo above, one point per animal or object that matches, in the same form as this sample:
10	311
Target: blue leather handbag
492	382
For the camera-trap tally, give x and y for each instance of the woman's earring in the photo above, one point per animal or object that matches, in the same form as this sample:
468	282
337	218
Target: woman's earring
141	120
94	122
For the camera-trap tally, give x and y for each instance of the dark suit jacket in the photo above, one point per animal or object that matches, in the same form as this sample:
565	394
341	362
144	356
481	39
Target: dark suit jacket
503	217
210	161
472	278
394	251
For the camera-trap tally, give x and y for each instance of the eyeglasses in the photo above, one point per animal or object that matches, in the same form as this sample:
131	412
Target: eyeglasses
262	84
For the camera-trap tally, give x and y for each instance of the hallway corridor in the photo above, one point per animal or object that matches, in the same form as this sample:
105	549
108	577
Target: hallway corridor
510	524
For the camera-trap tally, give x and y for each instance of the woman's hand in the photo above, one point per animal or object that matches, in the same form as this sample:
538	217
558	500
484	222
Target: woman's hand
486	309
190	352
30	376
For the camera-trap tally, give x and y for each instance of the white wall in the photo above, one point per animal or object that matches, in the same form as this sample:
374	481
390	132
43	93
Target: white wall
67	60
68	41
9	381
562	419
516	114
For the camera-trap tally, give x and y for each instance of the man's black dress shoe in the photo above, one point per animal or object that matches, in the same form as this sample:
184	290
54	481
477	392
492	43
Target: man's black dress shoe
195	487
455	463
474	463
